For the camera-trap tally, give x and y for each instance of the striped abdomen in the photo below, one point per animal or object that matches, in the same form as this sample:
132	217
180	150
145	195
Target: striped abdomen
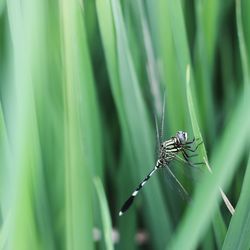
130	200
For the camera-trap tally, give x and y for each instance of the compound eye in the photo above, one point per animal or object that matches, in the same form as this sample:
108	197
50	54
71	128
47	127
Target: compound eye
182	136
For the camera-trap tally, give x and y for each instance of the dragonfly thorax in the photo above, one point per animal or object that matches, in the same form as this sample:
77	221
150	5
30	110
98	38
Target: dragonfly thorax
170	148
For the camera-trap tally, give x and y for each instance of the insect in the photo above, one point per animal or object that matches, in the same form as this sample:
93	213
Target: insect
169	150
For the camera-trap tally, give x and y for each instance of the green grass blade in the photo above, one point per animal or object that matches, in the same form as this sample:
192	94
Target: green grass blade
218	223
25	158
128	226
2	6
106	220
242	45
239	228
245	6
167	64
192	112
225	159
105	21
179	34
81	123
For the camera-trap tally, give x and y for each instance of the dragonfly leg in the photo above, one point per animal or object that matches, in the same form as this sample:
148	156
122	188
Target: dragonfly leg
186	157
190	148
191	156
190	142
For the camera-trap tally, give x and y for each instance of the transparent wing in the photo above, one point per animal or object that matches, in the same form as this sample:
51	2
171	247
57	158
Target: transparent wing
159	130
158	140
192	170
180	167
175	183
163	116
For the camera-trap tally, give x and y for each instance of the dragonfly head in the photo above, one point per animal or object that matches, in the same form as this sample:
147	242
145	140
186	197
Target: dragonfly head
182	137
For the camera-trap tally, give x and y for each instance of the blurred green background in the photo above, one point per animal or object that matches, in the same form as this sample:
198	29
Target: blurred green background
80	84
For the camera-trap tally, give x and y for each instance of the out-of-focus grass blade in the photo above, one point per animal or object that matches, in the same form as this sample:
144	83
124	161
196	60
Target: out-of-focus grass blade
167	65
48	94
153	73
4	233
106	220
105	21
25	168
20	191
209	18
179	34
2	6
225	159
239	229
245	6
81	122
219	228
228	77
128	227
4	151
4	154
242	44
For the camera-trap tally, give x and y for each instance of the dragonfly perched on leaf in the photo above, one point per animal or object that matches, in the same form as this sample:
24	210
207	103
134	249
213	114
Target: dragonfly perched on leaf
177	148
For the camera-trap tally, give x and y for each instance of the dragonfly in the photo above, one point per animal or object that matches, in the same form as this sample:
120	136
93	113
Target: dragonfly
178	148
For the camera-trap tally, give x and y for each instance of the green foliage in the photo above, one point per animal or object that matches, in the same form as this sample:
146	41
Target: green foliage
80	84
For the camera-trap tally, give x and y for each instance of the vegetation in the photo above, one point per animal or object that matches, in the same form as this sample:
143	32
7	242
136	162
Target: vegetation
80	84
